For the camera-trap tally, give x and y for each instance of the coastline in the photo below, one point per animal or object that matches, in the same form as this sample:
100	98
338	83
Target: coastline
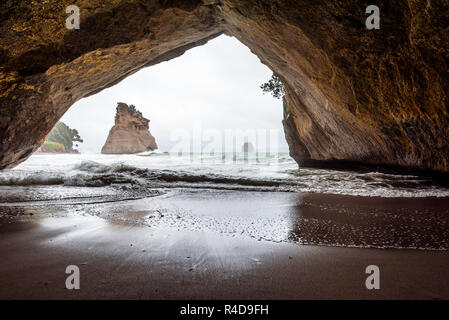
127	259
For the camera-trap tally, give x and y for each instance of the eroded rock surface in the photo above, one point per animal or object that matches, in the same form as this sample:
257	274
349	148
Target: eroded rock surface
373	96
130	133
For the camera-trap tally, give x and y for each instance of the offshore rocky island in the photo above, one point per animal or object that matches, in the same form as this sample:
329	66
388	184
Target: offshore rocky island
130	133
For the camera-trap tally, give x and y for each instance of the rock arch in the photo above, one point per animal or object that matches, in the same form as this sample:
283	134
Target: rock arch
354	95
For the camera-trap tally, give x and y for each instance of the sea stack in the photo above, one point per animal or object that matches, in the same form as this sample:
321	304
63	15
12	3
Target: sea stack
248	147
130	133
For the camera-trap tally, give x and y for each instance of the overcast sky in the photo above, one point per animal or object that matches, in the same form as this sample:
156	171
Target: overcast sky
215	86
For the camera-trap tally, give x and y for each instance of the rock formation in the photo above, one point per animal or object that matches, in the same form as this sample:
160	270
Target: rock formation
248	147
353	95
61	140
130	133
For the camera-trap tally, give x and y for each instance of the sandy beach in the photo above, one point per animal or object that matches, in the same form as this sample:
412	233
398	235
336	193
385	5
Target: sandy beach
145	249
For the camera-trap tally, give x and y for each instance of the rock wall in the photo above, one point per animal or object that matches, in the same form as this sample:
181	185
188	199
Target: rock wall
378	97
130	133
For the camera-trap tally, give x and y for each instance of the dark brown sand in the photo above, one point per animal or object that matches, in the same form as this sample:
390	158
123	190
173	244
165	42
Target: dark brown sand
135	260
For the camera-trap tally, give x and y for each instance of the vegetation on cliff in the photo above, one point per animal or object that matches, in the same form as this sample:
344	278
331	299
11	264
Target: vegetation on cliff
131	108
274	86
61	139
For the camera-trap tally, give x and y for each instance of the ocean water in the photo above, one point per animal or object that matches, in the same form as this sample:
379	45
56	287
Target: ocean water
263	197
98	177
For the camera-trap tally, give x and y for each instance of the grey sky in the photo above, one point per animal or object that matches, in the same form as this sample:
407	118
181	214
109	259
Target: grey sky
217	85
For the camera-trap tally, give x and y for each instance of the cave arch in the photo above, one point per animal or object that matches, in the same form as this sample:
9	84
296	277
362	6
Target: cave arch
212	90
352	95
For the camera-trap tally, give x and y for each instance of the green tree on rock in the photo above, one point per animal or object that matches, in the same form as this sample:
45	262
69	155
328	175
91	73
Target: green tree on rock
274	86
63	134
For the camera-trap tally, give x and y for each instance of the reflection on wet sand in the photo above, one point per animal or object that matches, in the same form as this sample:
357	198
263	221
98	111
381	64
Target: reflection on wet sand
225	244
330	220
291	217
372	222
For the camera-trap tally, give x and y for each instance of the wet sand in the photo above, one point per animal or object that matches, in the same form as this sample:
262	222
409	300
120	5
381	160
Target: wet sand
148	249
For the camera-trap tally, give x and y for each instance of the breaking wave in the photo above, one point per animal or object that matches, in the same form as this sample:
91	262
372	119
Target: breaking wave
171	172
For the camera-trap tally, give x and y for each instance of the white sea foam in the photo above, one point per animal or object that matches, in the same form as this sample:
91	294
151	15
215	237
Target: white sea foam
230	172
